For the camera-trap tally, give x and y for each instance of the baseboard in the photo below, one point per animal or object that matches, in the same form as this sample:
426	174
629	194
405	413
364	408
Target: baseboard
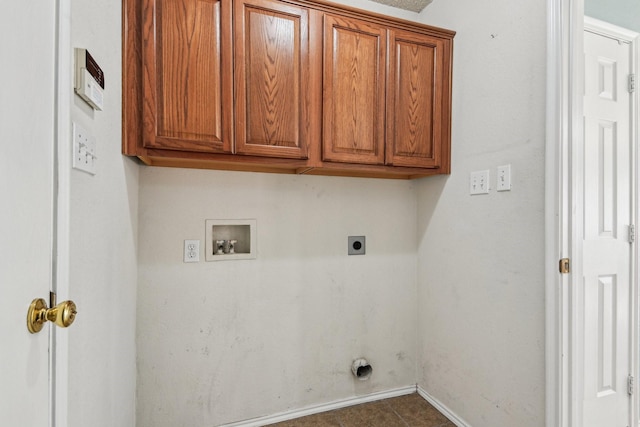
289	415
442	408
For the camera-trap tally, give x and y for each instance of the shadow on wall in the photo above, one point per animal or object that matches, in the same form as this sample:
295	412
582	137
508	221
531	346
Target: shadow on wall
429	192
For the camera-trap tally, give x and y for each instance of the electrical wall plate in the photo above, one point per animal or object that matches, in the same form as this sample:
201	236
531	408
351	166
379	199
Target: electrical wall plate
503	178
356	245
191	251
479	182
84	150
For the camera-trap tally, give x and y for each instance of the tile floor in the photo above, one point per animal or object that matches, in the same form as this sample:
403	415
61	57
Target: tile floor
410	410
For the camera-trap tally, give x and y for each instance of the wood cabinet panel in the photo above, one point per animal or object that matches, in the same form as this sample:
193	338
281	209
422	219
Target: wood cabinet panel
272	75
415	100
354	91
295	86
187	91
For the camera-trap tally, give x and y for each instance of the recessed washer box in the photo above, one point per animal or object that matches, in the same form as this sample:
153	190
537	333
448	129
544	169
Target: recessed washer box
229	239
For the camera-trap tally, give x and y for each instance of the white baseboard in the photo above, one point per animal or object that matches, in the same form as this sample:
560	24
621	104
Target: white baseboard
289	415
442	408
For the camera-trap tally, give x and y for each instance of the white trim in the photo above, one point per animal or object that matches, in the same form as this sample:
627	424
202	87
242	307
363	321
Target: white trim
60	285
443	409
635	333
289	415
573	176
561	32
635	303
607	29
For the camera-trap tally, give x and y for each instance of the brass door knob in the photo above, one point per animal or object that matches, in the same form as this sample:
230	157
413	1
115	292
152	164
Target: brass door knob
62	314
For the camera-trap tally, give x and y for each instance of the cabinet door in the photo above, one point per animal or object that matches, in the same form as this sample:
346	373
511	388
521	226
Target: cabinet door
354	91
187	74
418	97
272	78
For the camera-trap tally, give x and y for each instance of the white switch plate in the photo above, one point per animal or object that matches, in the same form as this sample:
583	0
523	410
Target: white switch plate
479	182
192	251
503	180
84	150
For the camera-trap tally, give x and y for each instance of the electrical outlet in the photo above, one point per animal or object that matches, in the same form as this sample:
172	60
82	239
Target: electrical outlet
356	245
479	182
192	251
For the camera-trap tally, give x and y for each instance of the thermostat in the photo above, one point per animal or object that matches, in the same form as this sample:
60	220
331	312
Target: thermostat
89	79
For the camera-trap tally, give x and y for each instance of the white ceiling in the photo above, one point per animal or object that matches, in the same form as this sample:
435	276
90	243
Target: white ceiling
412	5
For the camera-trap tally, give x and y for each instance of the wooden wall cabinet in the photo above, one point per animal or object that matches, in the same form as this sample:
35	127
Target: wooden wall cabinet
272	77
354	80
291	86
378	114
418	101
187	74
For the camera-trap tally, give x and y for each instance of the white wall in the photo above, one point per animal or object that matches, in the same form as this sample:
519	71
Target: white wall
481	273
226	341
624	13
232	340
103	265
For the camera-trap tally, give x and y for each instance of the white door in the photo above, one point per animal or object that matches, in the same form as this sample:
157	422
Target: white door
607	265
27	53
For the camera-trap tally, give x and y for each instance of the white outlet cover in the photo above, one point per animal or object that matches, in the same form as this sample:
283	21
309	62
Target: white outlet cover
191	251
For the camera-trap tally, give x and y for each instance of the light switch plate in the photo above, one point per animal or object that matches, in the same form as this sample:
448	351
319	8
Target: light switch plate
84	150
503	180
479	182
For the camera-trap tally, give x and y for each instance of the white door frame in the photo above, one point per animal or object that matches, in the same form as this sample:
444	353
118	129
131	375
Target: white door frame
565	28
59	343
564	40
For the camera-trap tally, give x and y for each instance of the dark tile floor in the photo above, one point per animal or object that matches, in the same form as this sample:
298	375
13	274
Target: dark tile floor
410	410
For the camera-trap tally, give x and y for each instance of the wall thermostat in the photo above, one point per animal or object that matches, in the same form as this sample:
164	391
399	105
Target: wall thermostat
89	79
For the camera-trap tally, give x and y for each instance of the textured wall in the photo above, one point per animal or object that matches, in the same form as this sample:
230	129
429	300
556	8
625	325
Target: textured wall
481	272
232	340
412	5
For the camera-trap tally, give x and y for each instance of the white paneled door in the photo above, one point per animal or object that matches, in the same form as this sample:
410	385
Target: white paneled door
606	294
27	76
